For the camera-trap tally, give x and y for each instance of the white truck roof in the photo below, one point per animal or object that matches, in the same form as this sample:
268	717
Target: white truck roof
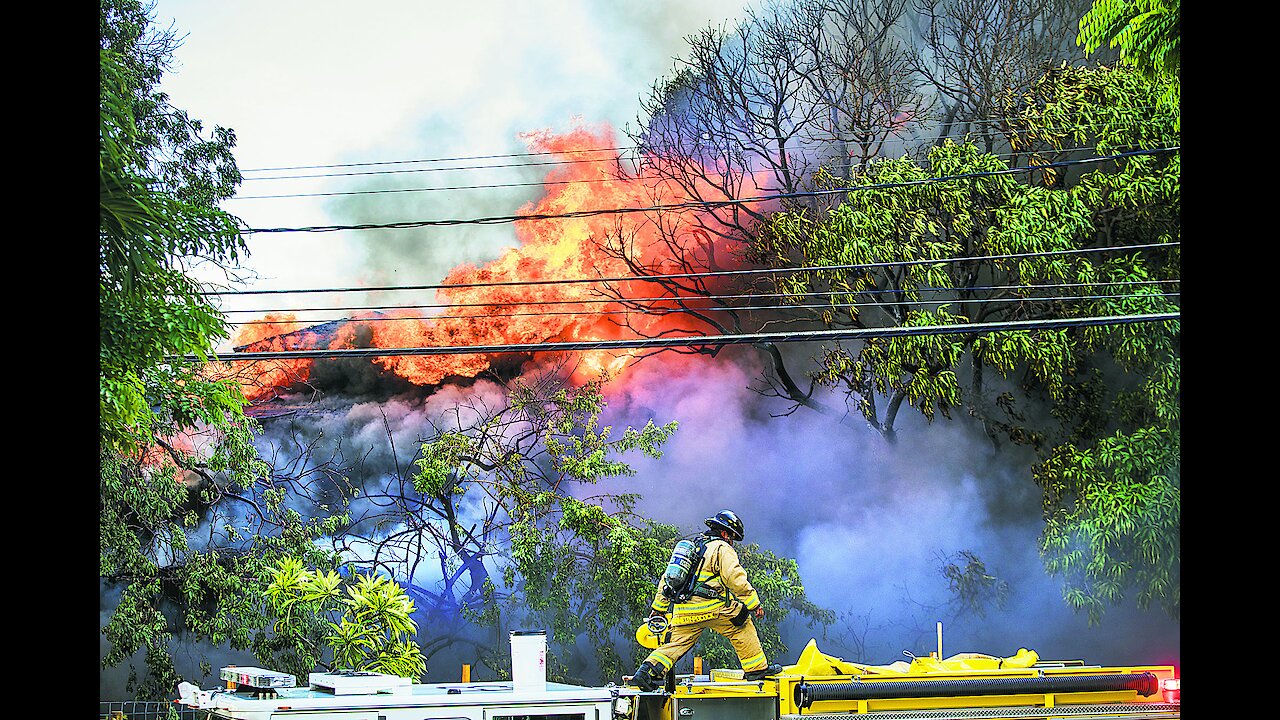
425	701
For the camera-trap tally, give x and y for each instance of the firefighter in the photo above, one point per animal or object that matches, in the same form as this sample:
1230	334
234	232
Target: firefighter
723	601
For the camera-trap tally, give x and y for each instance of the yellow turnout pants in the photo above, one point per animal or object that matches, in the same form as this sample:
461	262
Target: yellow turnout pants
687	628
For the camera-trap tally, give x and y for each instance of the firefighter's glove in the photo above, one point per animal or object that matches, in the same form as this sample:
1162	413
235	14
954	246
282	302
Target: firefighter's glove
759	613
656	613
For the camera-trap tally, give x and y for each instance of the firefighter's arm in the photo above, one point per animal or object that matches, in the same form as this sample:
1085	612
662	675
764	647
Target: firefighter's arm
735	579
661	605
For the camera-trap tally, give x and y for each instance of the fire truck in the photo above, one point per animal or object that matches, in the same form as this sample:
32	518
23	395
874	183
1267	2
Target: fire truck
817	687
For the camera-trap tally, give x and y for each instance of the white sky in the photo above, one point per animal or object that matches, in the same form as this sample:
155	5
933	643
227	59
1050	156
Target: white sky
325	82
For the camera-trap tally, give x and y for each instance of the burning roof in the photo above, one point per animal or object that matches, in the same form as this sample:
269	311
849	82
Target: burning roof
509	299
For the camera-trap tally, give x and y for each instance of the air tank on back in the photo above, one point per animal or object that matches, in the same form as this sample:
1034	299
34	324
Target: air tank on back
680	567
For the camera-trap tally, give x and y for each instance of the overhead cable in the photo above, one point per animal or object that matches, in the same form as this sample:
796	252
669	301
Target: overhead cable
715	308
626	148
698	340
436	160
502	186
707	204
601	300
704	274
489	186
613	159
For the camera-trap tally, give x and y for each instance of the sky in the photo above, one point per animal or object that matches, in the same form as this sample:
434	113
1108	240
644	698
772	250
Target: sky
324	83
329	83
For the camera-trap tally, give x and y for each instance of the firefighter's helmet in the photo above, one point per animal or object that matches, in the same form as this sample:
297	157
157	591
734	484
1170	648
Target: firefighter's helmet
726	520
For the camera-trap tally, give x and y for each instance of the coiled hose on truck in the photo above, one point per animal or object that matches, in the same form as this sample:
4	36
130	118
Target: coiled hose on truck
808	693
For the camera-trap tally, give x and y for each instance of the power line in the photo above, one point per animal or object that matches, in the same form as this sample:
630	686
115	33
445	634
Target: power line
627	148
502	186
717	308
419	170
594	301
612	159
704	274
490	186
697	340
436	160
706	204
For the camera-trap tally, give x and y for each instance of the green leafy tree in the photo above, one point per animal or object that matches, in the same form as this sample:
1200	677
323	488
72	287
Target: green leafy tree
502	504
777	581
594	576
160	181
754	110
190	518
1148	34
972	52
369	627
190	563
506	492
582	571
1112	489
1099	403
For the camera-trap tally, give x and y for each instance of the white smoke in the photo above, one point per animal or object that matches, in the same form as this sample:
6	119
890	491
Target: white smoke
871	523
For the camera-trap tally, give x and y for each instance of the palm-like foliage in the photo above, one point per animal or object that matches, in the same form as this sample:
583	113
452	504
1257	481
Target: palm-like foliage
1148	34
365	623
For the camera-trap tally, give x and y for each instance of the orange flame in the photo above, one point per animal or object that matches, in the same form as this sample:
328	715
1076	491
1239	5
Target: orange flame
487	312
274	332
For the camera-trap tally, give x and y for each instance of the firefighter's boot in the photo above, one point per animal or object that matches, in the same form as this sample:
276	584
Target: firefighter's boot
648	676
763	673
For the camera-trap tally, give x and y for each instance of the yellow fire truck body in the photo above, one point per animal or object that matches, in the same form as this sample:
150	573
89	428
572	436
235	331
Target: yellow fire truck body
817	687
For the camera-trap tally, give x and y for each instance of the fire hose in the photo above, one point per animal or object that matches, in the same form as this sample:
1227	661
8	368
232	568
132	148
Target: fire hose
808	693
